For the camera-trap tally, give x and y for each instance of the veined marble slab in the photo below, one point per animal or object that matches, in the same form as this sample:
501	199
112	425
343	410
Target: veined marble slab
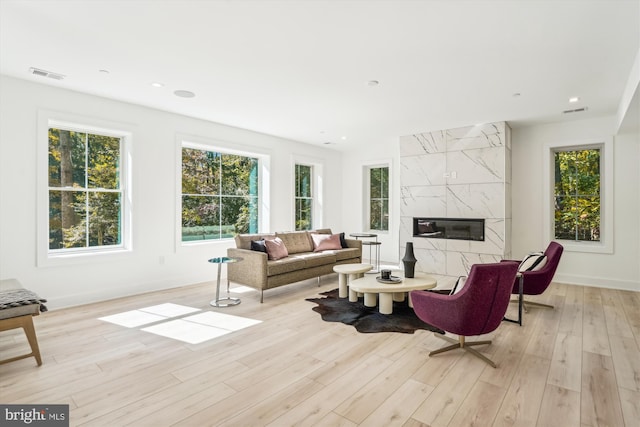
494	233
424	169
479	136
431	261
423	143
475	201
459	263
476	166
423	201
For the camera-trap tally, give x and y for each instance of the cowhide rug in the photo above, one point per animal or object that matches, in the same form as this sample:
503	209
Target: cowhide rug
368	319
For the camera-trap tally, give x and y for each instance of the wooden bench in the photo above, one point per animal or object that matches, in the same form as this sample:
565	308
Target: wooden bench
17	308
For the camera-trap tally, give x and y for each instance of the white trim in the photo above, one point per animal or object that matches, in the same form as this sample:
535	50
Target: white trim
208	144
317	171
70	121
605	245
598	282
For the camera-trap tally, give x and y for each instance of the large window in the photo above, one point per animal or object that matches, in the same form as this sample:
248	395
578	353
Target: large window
219	194
379	198
577	194
304	197
85	190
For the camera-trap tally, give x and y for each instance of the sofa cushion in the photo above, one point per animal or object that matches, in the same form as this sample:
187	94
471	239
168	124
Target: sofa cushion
243	241
322	231
285	265
315	259
296	241
323	242
343	254
533	262
258	245
276	249
343	241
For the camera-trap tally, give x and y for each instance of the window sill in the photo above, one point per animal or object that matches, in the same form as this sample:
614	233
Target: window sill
587	247
86	257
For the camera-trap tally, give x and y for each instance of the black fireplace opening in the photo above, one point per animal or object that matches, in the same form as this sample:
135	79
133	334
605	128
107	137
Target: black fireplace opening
449	228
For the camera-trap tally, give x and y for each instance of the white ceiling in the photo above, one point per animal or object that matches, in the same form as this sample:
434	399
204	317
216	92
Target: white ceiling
299	69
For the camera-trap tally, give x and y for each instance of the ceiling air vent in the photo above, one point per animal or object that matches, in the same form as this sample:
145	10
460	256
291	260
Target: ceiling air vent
577	110
45	73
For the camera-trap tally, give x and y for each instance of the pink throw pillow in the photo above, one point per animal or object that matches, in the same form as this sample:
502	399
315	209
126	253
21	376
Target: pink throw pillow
324	242
276	249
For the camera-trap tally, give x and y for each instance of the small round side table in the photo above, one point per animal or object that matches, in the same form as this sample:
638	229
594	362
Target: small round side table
228	300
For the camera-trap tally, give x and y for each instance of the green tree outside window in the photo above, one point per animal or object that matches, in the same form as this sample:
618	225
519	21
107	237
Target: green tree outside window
85	194
577	195
219	195
379	198
303	197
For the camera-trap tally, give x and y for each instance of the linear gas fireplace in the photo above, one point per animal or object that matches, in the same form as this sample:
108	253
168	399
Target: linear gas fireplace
449	228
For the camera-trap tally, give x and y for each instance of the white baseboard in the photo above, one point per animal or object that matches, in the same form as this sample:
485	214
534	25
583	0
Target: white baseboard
99	295
598	282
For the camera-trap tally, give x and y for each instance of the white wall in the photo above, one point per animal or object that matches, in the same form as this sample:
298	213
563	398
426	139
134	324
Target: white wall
353	195
617	270
154	195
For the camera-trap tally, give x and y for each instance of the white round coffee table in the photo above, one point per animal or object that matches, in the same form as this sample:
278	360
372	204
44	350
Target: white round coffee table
370	287
348	273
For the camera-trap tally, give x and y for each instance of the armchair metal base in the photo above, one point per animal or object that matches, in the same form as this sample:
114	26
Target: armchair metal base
526	303
461	343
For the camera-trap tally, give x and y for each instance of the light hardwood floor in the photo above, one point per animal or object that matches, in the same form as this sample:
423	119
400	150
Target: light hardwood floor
577	365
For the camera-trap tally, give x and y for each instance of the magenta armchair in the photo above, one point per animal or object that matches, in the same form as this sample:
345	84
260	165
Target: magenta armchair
477	309
536	282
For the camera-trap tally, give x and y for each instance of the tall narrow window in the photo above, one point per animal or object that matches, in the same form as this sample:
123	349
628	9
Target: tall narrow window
303	197
85	187
219	195
577	195
379	198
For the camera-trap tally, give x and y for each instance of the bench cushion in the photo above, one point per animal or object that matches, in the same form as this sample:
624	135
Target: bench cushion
16	301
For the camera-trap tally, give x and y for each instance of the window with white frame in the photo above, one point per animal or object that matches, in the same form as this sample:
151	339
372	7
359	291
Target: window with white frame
303	197
87	196
577	194
579	199
219	194
378	198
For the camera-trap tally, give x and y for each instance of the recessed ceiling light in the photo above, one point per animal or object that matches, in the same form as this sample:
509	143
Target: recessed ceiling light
373	83
156	84
574	99
343	138
184	94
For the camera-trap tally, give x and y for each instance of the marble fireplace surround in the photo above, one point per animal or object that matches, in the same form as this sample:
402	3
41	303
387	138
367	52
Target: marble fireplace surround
457	173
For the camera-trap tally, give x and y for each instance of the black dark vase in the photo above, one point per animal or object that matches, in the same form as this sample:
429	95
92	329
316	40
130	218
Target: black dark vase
409	260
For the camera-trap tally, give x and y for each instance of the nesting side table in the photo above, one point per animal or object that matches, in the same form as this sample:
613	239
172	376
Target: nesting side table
348	272
228	300
371	244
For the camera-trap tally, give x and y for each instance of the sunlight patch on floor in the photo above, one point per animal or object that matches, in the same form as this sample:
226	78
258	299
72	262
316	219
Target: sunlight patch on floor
192	329
242	289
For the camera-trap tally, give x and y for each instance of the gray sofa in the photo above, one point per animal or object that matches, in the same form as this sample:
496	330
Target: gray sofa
258	272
